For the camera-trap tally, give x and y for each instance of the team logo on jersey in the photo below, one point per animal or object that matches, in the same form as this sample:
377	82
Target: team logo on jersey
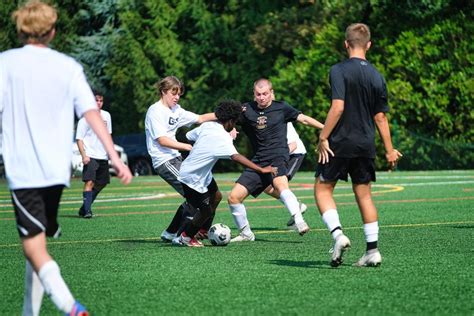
261	122
173	121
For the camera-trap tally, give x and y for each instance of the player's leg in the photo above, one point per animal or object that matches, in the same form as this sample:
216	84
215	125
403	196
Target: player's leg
362	174
294	165
101	180
326	179
216	198
291	203
32	208
235	200
88	177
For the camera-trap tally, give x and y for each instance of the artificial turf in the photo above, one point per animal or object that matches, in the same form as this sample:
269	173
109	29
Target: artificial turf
115	263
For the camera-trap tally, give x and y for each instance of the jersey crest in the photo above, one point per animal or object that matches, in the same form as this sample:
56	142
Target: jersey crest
261	122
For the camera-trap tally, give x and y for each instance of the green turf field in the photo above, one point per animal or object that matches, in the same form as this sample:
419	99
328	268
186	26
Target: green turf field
115	263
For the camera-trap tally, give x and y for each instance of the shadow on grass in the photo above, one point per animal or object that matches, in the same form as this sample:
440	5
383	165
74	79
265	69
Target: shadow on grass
463	226
302	264
258	239
143	241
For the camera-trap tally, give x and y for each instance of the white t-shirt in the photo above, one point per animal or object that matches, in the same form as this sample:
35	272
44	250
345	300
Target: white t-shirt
161	121
92	144
212	142
39	90
293	136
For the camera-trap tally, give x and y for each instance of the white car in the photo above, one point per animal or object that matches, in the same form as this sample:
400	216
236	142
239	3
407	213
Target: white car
77	164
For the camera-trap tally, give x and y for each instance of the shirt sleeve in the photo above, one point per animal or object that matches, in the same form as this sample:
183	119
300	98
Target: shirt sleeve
83	97
226	149
187	118
336	79
155	124
382	104
193	134
291	114
81	129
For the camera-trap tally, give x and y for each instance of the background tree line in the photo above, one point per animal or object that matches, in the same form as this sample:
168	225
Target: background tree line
218	48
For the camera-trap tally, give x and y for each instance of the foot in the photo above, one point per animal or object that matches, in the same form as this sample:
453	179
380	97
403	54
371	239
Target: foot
243	237
371	258
183	240
78	310
303	209
81	211
87	214
341	244
167	237
302	228
201	234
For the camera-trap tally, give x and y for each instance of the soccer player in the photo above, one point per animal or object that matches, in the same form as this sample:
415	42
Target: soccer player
95	174
297	153
264	121
40	89
212	142
347	143
161	124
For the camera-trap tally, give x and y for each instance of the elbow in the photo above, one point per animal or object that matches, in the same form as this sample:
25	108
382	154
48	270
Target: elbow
380	118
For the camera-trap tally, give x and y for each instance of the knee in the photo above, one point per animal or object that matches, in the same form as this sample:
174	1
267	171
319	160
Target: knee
218	197
233	199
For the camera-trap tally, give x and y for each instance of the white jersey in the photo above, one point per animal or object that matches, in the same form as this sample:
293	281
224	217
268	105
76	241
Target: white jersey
92	144
39	90
292	136
212	142
161	121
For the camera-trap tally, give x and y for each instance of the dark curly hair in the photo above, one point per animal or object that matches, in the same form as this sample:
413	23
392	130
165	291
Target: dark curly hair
228	110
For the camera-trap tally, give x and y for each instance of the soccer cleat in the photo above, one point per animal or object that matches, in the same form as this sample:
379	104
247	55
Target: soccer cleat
201	234
87	214
183	240
243	237
302	228
78	310
167	237
371	258
303	209
81	211
341	244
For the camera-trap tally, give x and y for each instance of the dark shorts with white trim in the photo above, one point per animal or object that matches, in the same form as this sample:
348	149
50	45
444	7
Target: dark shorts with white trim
169	171
36	210
294	165
361	170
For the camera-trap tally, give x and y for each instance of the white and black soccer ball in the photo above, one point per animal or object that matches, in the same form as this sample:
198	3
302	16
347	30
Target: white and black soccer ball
219	234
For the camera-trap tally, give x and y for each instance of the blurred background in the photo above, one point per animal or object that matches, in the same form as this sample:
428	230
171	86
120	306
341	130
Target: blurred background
218	48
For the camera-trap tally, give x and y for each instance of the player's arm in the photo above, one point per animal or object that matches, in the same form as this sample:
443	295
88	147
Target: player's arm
334	114
292	147
165	141
249	164
307	120
206	117
95	121
391	153
82	150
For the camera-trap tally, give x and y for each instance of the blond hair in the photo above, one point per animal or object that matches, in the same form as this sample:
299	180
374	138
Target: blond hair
262	81
169	83
358	35
35	21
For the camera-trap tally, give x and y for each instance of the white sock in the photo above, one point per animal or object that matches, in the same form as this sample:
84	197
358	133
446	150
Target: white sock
240	215
55	286
371	231
33	292
292	204
331	219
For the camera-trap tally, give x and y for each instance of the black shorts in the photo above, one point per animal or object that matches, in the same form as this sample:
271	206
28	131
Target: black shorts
361	170
255	182
36	210
200	200
97	170
294	165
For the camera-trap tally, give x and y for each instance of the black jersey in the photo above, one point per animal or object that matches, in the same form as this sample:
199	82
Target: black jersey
364	92
266	128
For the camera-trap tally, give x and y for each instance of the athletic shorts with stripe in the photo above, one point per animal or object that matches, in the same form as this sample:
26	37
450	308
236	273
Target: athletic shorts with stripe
361	170
36	210
97	170
169	171
255	182
294	165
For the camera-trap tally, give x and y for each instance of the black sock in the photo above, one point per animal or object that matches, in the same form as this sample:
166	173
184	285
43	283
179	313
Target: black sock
371	245
176	221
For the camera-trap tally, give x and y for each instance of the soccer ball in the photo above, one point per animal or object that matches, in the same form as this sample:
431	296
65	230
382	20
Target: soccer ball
219	235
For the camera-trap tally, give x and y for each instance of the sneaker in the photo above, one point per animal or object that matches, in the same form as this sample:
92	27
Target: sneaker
183	240
243	237
78	310
81	212
87	214
302	228
201	234
303	209
341	244
167	237
371	258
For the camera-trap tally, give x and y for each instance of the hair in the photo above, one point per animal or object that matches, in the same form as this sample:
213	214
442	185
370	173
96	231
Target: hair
35	21
170	83
97	92
228	110
262	81
358	35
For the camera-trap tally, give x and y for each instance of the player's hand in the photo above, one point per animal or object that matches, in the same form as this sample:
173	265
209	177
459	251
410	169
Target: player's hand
392	158
123	172
324	151
188	147
233	133
268	169
86	160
